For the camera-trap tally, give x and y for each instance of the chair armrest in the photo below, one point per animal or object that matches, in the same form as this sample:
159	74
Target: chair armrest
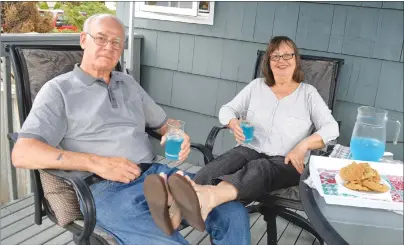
326	151
206	152
77	180
13	137
210	141
153	133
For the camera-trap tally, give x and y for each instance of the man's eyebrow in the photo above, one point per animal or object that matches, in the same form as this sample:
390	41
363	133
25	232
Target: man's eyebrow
103	34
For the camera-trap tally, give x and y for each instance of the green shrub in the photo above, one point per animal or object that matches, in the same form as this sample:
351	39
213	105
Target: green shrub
43	5
72	11
58	5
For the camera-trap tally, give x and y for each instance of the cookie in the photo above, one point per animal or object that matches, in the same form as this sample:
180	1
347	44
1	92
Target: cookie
352	172
356	186
375	186
369	173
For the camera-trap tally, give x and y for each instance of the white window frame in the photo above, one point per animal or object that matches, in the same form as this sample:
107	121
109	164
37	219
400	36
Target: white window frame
170	10
176	14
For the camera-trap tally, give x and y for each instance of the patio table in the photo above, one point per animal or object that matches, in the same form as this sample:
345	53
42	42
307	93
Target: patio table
343	225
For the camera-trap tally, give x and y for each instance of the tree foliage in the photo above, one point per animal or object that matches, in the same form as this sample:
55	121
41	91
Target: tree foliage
43	5
22	17
78	12
57	5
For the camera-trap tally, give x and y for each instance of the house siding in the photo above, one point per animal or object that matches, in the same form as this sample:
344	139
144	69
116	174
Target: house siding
191	70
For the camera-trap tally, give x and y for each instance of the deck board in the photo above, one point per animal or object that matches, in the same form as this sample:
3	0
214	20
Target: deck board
18	226
45	236
17	206
290	235
281	225
25	231
12	203
63	238
28	233
19	215
186	231
258	230
195	236
305	238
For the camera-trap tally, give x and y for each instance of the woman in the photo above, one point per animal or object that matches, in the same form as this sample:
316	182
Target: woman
286	109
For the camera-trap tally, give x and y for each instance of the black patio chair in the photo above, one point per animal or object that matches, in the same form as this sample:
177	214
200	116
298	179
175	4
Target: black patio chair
322	73
33	66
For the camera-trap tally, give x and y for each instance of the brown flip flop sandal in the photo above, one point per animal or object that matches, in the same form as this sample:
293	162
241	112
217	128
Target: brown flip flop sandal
156	196
187	201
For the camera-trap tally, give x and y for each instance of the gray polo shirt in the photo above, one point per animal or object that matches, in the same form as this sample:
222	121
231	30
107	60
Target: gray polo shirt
279	125
81	113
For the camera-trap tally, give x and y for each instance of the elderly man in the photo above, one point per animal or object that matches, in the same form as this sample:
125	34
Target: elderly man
93	119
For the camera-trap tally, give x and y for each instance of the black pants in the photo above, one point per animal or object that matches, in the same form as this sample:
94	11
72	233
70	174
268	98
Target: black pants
252	173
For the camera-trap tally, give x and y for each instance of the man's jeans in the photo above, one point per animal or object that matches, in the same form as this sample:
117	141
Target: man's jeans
122	210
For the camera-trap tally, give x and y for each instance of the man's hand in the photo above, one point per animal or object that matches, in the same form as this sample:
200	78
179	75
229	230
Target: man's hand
117	169
185	146
234	125
296	157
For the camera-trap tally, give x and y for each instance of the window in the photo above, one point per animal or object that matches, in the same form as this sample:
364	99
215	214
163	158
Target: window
190	12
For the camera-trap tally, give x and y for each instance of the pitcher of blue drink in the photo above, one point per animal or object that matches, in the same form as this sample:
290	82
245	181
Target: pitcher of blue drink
175	137
368	141
246	117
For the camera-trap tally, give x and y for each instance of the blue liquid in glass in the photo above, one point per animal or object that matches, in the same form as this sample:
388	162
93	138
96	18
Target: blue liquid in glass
367	149
248	131
173	146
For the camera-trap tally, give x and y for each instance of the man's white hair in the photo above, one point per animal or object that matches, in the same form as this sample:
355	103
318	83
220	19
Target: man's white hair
98	17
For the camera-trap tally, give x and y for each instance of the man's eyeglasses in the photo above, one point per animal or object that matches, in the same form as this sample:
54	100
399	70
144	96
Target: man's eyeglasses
102	41
284	57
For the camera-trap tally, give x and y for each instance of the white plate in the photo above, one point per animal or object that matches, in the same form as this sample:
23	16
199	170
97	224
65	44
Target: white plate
346	190
358	199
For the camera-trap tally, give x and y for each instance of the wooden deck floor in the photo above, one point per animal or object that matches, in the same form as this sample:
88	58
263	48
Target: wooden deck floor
17	226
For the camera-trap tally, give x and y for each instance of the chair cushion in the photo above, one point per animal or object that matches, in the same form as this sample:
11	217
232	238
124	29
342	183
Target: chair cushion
286	198
43	65
107	237
320	74
61	197
288	193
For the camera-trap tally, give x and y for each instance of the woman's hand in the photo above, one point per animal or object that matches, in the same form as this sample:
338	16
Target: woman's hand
296	157
234	125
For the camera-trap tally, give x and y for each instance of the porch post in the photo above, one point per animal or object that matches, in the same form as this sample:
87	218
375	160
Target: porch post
131	39
7	102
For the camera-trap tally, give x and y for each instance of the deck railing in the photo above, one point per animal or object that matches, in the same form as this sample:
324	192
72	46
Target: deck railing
17	183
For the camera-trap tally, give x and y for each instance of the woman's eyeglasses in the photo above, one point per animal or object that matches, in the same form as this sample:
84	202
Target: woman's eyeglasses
278	57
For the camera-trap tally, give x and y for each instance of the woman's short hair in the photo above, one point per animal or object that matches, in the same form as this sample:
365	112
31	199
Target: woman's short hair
273	45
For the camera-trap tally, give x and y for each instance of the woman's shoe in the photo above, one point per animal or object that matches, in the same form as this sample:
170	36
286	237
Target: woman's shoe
187	201
157	198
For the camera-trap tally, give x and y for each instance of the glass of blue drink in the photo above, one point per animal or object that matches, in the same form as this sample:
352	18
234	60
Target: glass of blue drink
175	137
368	141
246	116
